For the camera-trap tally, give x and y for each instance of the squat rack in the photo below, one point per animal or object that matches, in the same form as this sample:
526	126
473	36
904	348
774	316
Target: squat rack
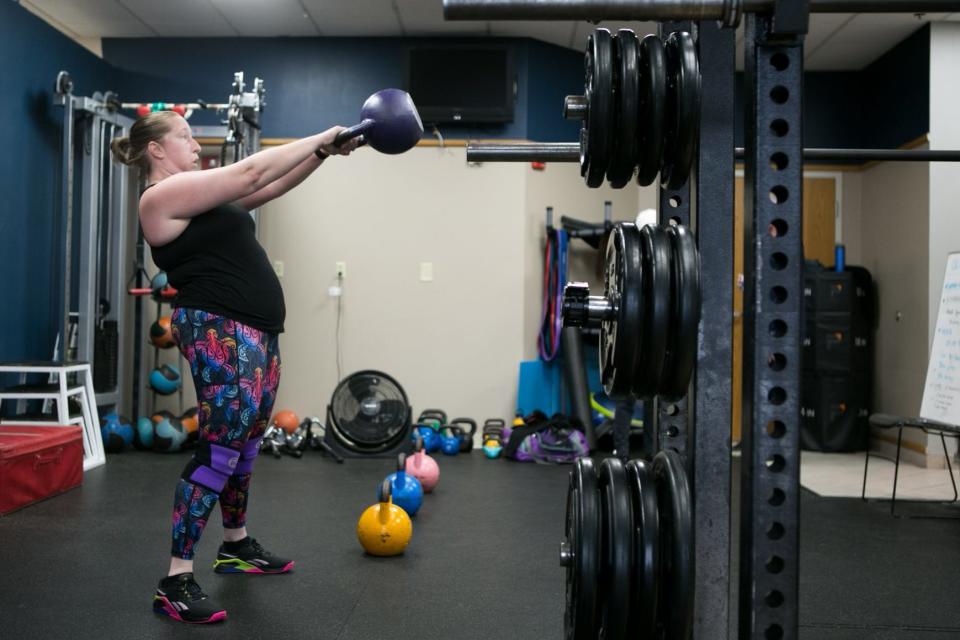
699	427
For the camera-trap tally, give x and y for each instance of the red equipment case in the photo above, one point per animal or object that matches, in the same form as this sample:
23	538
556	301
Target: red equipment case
38	462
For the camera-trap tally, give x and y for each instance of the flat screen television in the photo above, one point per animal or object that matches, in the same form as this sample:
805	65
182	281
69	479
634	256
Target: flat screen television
462	84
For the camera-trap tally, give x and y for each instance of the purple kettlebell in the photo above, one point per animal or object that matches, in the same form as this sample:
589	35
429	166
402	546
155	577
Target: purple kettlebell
389	123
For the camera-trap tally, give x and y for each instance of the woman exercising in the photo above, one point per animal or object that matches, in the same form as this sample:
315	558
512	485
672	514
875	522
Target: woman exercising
226	319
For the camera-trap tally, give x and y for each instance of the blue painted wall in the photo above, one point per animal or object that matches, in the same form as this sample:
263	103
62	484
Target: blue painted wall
885	105
30	222
315	83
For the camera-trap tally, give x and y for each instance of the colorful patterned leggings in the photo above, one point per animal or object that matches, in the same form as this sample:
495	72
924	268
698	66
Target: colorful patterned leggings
236	370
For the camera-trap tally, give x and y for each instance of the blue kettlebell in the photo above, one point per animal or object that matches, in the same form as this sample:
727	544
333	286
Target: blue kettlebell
431	438
407	490
450	438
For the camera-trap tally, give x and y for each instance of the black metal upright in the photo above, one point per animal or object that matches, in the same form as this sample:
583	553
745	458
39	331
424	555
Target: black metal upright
773	181
711	399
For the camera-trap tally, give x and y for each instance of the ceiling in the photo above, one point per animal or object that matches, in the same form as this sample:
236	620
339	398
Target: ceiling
844	41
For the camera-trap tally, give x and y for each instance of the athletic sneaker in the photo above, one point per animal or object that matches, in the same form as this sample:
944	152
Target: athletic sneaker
181	598
247	556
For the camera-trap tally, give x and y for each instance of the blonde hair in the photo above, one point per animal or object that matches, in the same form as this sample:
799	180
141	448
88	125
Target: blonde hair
132	150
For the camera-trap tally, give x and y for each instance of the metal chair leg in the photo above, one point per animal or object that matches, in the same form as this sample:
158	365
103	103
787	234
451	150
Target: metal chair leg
946	456
896	473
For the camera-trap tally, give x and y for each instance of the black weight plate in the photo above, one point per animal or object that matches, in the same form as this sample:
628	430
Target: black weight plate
620	337
626	89
683	110
583	546
676	545
595	131
653	92
657	298
682	350
616	555
646	541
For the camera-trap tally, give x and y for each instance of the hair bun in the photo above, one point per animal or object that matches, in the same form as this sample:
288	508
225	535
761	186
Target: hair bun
121	149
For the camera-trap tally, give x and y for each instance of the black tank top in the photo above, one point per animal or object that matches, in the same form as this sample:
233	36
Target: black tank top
217	265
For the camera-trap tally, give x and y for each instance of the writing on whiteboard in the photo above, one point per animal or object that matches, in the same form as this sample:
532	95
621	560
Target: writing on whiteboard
941	393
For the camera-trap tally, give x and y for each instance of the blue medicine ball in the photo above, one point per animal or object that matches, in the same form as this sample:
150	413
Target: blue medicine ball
165	380
116	432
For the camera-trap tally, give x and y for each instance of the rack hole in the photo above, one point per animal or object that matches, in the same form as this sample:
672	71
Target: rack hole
775	564
778	328
779	194
776	463
779	161
777	361
778	228
774	598
776	429
777	395
775	531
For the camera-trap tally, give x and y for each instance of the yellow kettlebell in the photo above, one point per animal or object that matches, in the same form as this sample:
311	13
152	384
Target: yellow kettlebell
384	529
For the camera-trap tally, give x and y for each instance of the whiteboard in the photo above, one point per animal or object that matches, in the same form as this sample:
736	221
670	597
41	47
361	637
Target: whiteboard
941	393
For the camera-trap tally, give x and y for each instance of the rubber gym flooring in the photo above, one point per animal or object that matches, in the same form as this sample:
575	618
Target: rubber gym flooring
482	563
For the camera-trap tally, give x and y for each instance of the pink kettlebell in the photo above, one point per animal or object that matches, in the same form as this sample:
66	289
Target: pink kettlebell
423	467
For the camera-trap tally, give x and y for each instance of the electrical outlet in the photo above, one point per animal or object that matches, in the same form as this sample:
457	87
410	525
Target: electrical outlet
278	268
341	270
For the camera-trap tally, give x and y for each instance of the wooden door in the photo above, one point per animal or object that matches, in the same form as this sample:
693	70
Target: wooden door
819	237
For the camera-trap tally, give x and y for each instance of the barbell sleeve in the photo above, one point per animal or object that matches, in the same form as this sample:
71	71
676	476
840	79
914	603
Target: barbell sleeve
570	152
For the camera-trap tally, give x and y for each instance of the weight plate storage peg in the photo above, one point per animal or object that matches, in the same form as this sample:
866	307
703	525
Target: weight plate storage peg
616	550
580	552
595	130
675	612
623	127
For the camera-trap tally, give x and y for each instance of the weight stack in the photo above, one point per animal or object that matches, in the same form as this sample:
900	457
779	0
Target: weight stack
106	347
837	358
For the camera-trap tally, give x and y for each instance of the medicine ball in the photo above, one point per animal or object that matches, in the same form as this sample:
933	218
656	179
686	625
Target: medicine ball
191	423
116	433
158	283
169	436
286	420
165	380
160	334
144	439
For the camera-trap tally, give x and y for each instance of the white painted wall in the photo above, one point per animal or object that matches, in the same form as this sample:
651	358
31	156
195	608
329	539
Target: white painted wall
944	177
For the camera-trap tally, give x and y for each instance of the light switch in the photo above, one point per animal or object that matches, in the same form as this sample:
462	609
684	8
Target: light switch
426	272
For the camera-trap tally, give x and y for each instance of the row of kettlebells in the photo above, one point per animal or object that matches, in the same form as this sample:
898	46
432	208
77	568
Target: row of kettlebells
385	528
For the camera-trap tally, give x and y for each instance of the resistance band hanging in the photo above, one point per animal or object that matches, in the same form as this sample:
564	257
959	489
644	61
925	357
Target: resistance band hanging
554	279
